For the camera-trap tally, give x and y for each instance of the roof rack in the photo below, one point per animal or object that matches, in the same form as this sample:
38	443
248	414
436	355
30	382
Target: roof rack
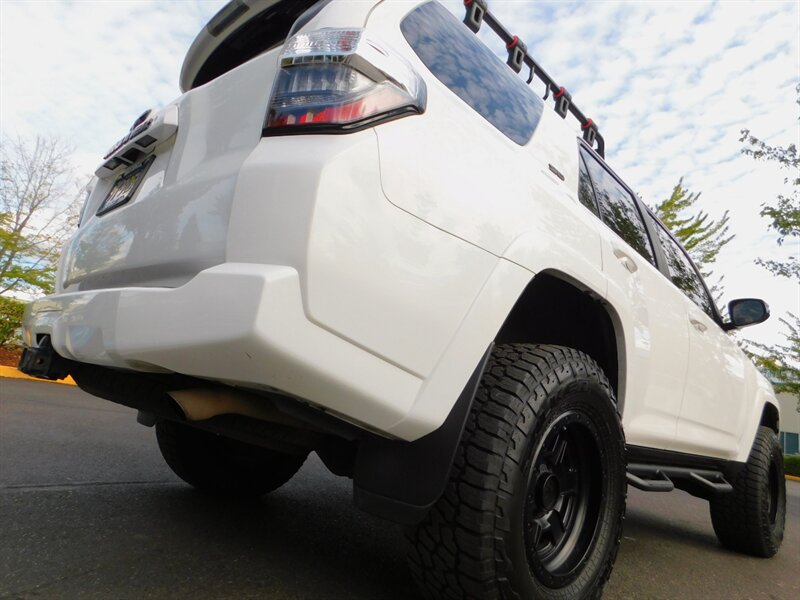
477	14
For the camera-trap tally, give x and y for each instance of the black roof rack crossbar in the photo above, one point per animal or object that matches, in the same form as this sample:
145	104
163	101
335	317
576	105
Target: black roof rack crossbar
478	13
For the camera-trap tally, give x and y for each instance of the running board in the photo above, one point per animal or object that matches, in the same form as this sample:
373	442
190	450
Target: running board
662	478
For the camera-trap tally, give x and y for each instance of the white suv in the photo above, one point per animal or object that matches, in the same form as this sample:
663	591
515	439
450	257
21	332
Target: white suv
358	232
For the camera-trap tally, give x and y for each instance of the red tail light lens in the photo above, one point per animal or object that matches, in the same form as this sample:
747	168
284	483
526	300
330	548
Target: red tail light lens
334	80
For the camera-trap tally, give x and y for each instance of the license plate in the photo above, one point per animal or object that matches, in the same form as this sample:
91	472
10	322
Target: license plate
125	187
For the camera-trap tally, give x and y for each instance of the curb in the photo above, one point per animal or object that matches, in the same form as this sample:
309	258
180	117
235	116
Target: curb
792	477
12	373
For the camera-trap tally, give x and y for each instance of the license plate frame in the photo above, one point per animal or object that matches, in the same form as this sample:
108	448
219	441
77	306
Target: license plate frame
124	188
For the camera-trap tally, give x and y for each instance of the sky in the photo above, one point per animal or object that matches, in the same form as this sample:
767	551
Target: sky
670	84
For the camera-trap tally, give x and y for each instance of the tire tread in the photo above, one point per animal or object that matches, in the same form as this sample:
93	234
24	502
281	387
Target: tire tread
458	551
739	517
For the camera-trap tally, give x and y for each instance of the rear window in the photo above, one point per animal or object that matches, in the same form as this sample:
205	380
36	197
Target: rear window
585	191
464	64
682	270
618	209
255	36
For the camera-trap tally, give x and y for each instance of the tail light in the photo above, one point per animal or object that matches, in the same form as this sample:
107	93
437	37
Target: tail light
338	80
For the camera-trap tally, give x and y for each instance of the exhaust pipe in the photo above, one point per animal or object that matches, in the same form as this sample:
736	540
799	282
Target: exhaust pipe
199	404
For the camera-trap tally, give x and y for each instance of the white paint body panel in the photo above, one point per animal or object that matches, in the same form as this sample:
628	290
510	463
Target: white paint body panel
656	343
366	274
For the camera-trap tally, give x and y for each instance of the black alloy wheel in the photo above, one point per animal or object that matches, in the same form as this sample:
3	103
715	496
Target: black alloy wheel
563	501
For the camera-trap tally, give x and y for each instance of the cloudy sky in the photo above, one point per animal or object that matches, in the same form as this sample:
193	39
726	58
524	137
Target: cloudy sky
671	84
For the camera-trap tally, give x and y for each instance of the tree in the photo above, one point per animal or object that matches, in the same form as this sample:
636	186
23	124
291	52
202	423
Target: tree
38	211
10	320
702	237
781	361
784	214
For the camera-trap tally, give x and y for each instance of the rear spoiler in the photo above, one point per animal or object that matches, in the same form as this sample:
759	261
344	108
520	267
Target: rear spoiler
241	30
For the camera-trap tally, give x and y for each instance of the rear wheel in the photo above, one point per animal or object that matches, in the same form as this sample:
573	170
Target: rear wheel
751	518
222	466
536	496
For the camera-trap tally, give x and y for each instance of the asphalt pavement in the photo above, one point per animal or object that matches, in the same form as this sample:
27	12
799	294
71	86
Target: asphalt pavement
88	509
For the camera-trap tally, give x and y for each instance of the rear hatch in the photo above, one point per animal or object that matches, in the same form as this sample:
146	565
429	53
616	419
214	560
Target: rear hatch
158	212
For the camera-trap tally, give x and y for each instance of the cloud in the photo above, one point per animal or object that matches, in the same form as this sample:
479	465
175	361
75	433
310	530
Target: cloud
85	70
669	83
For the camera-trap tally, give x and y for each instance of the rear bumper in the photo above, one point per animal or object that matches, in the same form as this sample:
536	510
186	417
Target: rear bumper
245	324
238	323
328	293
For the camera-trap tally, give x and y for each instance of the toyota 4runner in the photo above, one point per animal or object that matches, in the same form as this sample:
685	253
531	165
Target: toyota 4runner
360	233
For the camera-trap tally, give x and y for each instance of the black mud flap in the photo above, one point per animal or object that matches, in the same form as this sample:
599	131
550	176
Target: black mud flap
400	481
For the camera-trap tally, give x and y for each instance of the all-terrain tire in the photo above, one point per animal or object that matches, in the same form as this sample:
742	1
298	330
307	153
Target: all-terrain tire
222	466
751	518
543	425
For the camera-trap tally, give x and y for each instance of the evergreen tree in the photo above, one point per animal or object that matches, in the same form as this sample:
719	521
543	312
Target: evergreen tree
702	236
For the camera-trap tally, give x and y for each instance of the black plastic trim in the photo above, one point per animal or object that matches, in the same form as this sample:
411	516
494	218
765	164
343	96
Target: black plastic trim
399	480
700	476
138	170
44	362
642	454
226	16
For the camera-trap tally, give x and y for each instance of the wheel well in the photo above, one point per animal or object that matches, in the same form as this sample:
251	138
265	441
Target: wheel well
770	418
552	310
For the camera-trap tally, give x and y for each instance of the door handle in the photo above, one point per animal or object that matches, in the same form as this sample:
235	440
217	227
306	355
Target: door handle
697	324
626	260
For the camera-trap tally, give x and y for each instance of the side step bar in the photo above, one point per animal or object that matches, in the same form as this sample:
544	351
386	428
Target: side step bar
659	478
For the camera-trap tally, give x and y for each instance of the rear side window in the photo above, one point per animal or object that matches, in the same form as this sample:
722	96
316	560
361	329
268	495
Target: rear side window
464	64
618	208
682	271
585	191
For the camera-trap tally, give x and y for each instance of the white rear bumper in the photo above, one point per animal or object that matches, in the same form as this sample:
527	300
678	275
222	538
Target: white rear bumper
238	323
245	324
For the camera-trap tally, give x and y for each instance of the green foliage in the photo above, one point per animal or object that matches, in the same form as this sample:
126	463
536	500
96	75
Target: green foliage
791	465
782	361
24	267
702	237
10	320
784	213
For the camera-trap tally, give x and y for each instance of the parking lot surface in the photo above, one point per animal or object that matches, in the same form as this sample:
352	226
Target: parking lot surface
88	509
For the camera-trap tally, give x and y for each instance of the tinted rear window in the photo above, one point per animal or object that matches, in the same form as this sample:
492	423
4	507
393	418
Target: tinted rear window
585	191
261	33
464	64
682	270
618	208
